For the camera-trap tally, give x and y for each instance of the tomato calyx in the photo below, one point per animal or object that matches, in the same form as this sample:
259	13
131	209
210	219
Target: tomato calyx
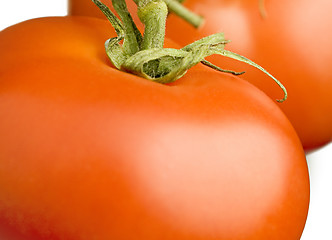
166	65
145	56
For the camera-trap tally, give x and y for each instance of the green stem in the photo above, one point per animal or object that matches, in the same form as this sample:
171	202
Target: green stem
149	59
177	8
116	23
132	36
153	14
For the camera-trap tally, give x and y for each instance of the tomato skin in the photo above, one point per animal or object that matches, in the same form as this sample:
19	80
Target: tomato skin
89	152
88	8
291	42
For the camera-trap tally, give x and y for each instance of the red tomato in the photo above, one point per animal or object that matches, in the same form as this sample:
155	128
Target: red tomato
292	42
90	152
88	8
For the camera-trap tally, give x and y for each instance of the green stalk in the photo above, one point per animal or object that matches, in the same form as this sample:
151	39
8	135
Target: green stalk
132	36
153	14
177	8
146	57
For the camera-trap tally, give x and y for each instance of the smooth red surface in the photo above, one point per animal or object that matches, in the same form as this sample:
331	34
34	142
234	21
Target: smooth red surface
292	42
89	152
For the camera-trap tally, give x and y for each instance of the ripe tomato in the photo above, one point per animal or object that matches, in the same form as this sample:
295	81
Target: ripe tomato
90	152
291	42
88	8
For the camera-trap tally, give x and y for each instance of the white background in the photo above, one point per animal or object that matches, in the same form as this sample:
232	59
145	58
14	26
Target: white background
319	223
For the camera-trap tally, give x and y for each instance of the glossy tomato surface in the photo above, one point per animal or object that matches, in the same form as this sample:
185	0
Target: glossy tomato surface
88	8
292	41
89	152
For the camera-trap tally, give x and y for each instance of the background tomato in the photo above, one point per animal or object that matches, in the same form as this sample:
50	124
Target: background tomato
291	42
87	151
309	19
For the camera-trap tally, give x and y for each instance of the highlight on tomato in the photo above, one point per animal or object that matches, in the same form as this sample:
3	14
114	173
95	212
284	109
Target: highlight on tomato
289	38
136	143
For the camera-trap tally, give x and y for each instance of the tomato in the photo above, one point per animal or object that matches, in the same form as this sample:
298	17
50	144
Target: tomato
88	8
90	152
291	42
